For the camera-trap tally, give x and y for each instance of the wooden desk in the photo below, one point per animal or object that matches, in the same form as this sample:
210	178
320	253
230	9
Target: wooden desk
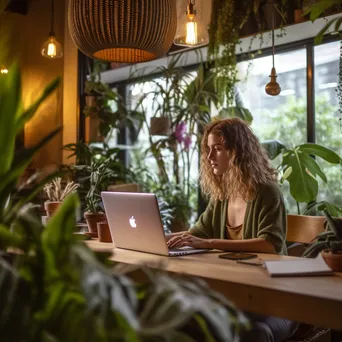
312	300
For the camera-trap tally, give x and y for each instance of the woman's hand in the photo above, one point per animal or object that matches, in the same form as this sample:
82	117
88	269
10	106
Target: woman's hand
186	239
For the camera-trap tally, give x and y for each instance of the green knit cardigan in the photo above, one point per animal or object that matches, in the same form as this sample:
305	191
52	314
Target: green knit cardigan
265	218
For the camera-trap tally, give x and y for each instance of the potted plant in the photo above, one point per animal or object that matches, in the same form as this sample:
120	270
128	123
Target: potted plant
301	171
57	289
56	194
93	86
329	243
103	231
298	11
100	175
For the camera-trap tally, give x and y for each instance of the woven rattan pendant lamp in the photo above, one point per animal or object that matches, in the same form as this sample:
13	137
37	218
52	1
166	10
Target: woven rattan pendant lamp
124	31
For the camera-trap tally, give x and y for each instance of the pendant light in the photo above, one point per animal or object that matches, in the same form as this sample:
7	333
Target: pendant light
123	31
52	48
191	31
273	88
3	70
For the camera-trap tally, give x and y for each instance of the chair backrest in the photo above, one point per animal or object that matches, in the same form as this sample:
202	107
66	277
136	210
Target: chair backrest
304	229
128	187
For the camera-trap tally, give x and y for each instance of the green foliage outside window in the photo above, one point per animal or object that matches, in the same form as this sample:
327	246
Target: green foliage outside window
288	125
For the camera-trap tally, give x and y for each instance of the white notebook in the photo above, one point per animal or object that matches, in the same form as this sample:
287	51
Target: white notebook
298	267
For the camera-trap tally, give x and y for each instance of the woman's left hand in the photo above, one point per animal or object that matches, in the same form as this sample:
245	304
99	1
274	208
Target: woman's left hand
187	239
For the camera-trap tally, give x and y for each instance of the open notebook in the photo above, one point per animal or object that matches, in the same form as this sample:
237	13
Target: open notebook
298	267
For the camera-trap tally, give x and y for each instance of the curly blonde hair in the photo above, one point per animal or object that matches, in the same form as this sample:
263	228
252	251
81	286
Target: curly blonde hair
248	164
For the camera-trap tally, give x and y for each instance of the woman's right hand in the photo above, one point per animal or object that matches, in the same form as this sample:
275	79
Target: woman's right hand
174	240
172	235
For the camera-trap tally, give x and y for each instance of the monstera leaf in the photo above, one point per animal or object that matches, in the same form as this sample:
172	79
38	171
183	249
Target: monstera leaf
300	169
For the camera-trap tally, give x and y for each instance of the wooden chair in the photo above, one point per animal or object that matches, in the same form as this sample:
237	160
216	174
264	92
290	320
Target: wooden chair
301	230
128	187
304	229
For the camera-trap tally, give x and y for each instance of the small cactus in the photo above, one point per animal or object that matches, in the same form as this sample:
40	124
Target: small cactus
55	191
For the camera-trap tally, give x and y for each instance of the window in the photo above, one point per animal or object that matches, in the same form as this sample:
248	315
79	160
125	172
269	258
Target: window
280	117
328	129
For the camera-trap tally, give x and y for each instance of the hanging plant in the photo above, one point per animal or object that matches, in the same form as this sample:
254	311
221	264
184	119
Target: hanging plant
339	87
227	19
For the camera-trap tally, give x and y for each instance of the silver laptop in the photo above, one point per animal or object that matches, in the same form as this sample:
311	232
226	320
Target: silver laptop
135	223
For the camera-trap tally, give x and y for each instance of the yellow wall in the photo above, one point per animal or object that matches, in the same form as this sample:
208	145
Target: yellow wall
28	34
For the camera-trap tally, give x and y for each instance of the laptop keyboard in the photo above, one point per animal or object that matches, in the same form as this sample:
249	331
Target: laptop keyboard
181	249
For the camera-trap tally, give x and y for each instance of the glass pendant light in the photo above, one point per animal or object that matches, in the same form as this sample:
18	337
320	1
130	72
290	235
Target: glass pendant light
273	88
3	70
190	30
52	48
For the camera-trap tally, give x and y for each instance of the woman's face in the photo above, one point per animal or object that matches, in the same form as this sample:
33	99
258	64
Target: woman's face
217	155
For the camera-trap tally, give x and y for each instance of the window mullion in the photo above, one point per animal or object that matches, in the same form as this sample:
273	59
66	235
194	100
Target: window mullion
310	79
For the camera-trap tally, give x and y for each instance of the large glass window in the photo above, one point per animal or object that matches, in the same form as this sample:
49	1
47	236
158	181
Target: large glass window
328	130
280	117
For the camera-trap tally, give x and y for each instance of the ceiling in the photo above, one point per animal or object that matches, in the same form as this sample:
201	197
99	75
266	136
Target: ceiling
18	6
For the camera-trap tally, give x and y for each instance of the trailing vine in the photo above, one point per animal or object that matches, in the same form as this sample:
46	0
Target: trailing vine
227	18
339	87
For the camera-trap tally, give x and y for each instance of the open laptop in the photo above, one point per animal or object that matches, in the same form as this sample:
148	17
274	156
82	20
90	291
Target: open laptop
135	223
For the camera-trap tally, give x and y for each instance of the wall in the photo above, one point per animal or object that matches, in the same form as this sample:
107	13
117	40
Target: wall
29	32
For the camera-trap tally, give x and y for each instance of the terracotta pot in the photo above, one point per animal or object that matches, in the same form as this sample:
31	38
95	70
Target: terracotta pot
160	126
92	128
103	232
298	15
92	220
333	260
90	100
51	207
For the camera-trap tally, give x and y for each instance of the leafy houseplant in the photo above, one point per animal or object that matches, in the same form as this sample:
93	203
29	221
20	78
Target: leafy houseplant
228	17
100	176
300	170
318	9
105	109
298	11
329	243
56	194
57	289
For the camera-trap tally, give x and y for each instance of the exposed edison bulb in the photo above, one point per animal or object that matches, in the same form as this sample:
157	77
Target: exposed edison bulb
52	48
190	29
191	33
3	70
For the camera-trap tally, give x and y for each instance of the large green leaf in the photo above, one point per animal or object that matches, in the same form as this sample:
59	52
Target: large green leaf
21	160
320	151
297	166
319	37
273	148
172	302
29	113
57	236
14	308
8	238
12	210
10	91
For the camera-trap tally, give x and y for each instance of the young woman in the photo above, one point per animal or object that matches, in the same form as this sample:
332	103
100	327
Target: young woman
246	210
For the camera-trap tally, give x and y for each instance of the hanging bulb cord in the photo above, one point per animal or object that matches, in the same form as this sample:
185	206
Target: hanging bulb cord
273	48
52	33
190	7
